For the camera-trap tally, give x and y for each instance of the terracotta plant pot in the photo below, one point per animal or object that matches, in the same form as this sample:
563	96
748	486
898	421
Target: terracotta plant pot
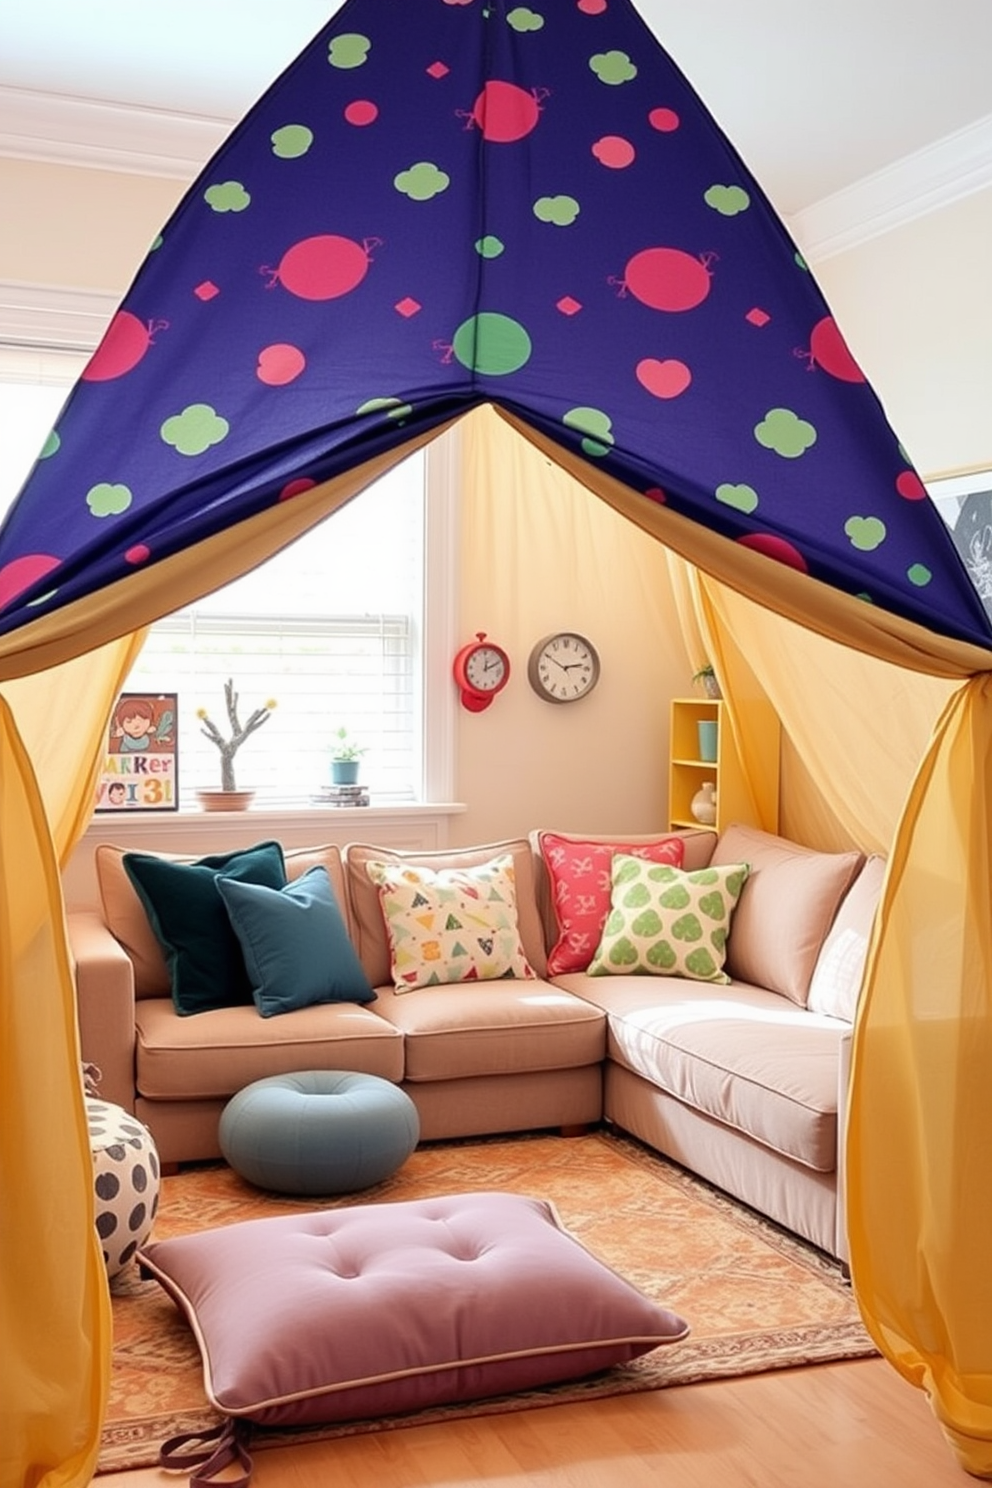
225	800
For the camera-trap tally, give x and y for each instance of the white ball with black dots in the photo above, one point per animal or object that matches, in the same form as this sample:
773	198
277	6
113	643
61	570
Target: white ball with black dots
125	1181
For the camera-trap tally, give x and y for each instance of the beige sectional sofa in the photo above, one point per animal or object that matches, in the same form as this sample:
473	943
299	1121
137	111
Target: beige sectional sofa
742	1082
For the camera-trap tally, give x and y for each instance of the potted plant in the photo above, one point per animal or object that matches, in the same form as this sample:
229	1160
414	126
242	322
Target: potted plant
706	679
345	758
229	798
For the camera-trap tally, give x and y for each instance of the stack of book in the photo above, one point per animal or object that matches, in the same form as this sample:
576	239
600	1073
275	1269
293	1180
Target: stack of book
343	795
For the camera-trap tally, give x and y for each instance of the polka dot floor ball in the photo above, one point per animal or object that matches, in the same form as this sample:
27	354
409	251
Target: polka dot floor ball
125	1180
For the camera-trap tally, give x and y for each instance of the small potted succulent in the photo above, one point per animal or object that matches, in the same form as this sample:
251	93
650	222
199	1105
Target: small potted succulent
345	758
705	679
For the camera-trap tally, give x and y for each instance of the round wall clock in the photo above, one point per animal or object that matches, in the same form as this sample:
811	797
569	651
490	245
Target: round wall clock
563	667
481	670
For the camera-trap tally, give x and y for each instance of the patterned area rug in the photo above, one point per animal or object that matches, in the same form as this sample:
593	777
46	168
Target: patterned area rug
757	1298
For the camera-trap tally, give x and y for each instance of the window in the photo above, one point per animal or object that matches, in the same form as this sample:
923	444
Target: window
339	629
332	630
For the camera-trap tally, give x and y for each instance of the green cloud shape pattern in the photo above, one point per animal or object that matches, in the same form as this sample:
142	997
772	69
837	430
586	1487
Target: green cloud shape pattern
613	67
919	574
195	429
51	446
292	141
422	181
560	210
595	425
392	407
742	498
523	19
106	500
490	246
350	50
785	432
865	533
227	196
727	200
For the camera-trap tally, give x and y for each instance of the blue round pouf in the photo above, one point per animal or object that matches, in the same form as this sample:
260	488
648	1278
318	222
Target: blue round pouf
318	1132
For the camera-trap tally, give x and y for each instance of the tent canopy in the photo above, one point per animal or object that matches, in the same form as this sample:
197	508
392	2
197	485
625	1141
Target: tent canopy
444	203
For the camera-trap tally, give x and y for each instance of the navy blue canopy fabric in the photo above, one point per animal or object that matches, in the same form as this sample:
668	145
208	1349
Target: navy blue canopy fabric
448	202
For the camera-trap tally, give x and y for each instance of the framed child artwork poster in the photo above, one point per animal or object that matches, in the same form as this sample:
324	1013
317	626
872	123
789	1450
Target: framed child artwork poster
141	758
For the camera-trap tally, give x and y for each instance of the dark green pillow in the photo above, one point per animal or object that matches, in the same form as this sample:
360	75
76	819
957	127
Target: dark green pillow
295	943
186	912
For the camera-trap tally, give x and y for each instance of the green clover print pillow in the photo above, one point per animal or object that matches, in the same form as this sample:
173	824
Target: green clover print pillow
667	921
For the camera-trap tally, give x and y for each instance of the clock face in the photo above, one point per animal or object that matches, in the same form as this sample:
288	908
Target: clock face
485	669
563	667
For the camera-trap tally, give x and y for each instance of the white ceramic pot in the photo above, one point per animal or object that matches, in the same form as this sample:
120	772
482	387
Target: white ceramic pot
703	804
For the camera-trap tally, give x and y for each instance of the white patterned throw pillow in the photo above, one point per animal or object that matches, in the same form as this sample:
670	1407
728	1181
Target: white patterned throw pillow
450	924
666	921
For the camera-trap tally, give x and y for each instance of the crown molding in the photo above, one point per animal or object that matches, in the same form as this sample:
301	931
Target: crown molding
54	129
57	130
53	317
936	176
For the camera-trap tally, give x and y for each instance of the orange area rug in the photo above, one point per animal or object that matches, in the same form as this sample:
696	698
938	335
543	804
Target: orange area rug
756	1297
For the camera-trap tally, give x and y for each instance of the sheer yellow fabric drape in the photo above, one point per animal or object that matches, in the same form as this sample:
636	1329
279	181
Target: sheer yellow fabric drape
919	1135
53	1285
920	1149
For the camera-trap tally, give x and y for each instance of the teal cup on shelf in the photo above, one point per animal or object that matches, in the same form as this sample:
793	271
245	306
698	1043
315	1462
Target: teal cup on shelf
707	740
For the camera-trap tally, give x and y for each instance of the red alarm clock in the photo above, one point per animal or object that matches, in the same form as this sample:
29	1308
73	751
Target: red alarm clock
481	670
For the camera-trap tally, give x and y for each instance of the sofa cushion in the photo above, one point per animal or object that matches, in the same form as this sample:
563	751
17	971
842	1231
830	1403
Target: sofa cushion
128	922
786	908
745	1057
215	1054
295	943
369	928
450	924
667	922
376	1309
580	883
840	965
498	1028
186	912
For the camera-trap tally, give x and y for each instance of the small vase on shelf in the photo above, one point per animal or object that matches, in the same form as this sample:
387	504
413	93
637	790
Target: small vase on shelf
703	804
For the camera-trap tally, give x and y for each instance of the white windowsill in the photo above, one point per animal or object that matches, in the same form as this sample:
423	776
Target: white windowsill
411	827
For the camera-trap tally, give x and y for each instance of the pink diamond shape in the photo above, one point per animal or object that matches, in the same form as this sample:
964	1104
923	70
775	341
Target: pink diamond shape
206	290
758	317
568	306
408	307
438	70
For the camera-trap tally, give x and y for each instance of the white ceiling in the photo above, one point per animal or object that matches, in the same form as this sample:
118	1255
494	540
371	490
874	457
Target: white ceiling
816	94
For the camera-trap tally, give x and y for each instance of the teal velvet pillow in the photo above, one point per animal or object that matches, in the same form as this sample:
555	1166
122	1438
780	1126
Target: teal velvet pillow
295	943
186	912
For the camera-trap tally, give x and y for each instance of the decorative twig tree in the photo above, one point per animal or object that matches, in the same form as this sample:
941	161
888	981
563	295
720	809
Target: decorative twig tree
229	747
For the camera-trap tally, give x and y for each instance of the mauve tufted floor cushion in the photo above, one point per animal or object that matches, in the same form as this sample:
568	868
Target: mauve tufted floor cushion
378	1309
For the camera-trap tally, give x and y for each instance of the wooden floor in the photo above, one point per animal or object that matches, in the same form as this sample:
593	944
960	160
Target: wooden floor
830	1426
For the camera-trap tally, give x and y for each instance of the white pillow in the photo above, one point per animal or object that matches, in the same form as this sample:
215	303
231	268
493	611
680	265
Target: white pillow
840	966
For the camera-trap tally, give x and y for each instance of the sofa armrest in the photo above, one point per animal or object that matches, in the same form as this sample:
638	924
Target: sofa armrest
104	1004
842	1250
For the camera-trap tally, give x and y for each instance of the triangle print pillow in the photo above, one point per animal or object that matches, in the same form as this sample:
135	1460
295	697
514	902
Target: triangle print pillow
450	924
666	921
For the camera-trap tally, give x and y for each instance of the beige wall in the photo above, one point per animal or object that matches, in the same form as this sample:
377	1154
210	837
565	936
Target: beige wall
79	229
540	554
916	307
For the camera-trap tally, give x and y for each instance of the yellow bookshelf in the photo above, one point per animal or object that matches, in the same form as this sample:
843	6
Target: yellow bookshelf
687	770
